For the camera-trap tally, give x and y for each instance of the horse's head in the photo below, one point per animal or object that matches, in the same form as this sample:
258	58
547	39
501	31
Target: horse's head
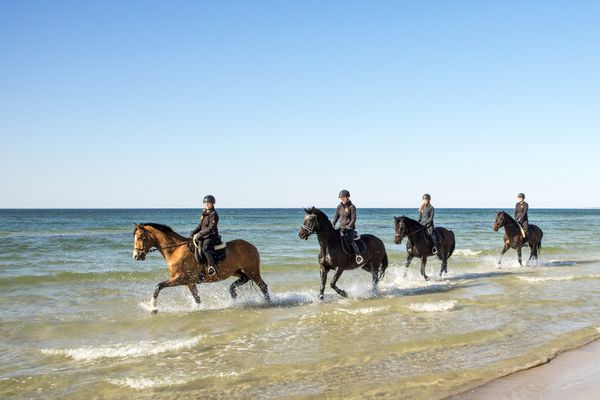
141	243
399	229
500	220
310	224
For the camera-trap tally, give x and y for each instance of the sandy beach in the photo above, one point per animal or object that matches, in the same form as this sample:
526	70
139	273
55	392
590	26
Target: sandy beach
572	375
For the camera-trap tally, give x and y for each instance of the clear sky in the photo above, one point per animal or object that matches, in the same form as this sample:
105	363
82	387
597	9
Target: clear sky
282	104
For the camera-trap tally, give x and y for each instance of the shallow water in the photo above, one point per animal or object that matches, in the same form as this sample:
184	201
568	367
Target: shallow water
75	317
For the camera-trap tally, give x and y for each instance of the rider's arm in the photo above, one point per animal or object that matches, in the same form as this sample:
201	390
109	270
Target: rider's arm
212	222
337	216
352	216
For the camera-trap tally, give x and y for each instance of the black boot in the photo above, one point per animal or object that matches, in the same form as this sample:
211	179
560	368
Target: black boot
210	259
359	258
434	249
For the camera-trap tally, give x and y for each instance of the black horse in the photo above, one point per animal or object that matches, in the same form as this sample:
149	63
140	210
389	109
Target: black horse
514	239
418	243
334	256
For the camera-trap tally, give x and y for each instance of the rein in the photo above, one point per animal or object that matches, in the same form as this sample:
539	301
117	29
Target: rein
150	250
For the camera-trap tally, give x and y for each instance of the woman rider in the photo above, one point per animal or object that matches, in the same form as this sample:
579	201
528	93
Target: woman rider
207	233
521	217
426	214
346	214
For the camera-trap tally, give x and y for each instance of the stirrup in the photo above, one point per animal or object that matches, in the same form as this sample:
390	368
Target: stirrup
359	259
212	270
434	250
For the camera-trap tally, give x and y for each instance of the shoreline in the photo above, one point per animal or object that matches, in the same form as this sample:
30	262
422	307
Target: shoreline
573	373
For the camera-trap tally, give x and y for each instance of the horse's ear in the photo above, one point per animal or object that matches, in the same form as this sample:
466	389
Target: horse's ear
396	219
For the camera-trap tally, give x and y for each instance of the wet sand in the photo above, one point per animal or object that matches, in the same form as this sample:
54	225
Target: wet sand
571	375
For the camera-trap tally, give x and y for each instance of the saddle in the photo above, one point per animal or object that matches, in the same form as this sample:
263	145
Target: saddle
438	238
359	243
218	249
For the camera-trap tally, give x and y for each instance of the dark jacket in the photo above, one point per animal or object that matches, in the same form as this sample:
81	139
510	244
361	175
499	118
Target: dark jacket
521	212
426	217
346	214
208	224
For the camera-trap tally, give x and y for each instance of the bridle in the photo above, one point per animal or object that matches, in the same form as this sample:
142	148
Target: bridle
311	230
404	234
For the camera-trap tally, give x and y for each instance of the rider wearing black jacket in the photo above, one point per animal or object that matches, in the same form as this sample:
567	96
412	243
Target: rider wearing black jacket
346	214
426	214
521	217
207	232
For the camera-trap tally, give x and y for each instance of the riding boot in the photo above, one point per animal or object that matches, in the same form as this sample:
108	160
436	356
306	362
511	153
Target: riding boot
210	259
434	249
358	257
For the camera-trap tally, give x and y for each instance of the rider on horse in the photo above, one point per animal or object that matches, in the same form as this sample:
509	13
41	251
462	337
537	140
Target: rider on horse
346	214
521	209
207	233
426	214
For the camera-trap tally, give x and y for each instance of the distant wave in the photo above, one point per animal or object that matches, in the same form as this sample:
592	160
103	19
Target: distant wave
141	383
362	311
444	305
125	350
538	279
467	252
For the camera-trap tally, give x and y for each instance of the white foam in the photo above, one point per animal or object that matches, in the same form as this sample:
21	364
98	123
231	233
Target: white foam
142	348
467	252
444	305
536	279
141	383
363	311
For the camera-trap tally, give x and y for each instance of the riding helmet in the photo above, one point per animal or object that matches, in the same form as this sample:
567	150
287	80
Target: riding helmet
521	195
426	196
209	199
344	193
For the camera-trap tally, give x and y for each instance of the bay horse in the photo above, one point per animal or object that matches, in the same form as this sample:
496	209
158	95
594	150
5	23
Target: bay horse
513	237
418	244
241	260
333	256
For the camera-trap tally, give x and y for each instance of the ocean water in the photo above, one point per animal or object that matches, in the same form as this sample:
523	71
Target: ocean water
75	321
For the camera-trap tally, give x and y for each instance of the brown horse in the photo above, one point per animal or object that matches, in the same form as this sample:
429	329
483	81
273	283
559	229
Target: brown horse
513	237
241	260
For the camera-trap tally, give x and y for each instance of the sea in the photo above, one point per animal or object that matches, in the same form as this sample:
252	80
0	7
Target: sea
75	319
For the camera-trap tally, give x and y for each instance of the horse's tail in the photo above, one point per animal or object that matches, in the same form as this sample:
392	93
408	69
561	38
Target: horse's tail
453	243
384	265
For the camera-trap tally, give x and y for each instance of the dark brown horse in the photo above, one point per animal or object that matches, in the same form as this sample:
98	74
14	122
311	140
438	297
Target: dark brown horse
333	256
513	237
419	245
241	260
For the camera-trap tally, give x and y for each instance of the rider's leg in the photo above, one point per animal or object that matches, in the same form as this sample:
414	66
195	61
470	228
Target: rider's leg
207	249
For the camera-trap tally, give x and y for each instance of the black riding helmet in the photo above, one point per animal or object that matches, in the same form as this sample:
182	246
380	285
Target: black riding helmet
426	196
209	199
344	193
521	195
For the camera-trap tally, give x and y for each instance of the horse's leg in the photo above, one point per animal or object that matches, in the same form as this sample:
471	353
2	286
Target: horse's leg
239	282
504	250
423	263
444	263
375	275
333	285
261	285
532	253
324	272
168	283
194	291
408	260
519	255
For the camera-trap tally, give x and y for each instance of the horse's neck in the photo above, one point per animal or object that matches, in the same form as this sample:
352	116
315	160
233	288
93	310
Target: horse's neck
510	225
328	238
163	241
411	225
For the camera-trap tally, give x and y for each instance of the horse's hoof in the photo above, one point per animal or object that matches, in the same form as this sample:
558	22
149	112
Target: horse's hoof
154	311
426	278
321	297
343	293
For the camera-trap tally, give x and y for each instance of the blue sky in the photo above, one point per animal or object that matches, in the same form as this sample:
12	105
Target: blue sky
282	104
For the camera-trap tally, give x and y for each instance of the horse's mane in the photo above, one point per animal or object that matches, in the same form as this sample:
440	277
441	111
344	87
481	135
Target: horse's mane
160	227
507	215
409	219
315	211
